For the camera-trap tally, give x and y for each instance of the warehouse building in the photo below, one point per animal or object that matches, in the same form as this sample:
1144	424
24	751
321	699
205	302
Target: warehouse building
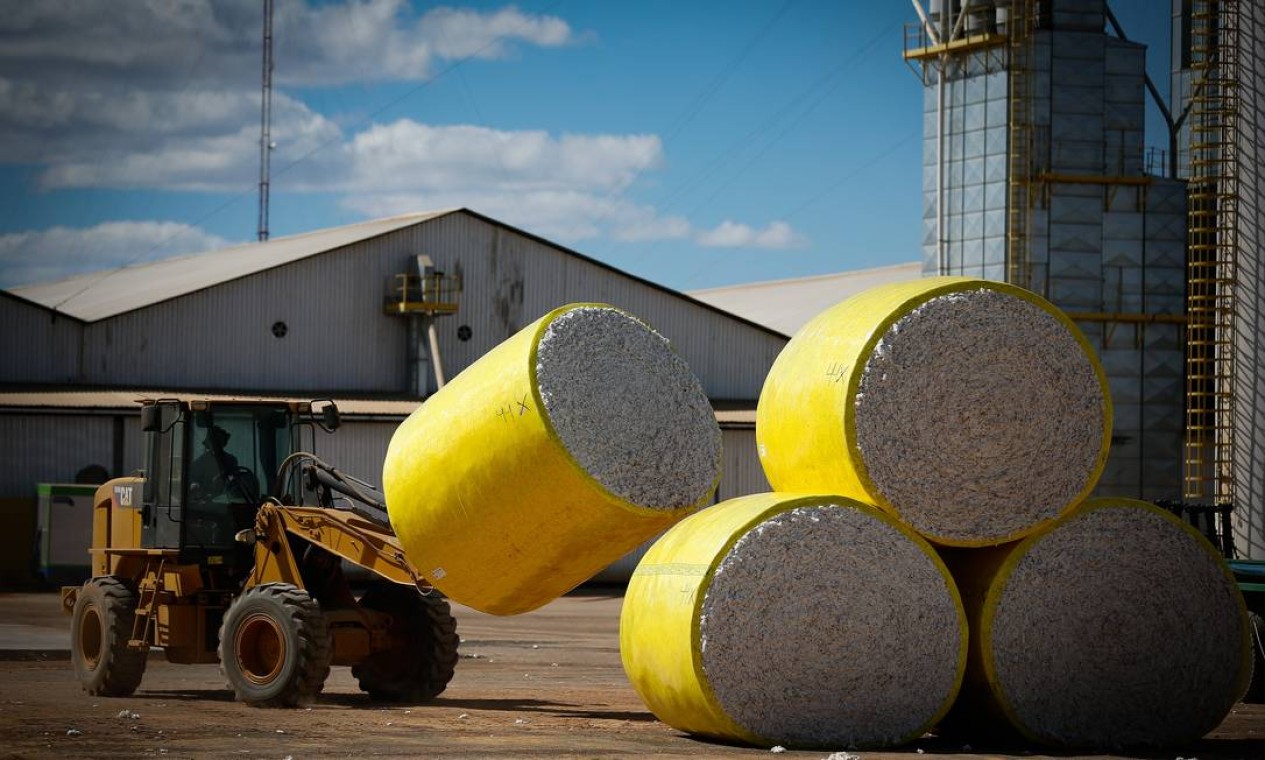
371	315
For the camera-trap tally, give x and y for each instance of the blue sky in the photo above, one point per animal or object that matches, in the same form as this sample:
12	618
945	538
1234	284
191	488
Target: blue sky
695	144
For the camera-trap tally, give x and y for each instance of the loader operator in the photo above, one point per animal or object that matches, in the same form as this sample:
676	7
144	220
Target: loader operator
211	470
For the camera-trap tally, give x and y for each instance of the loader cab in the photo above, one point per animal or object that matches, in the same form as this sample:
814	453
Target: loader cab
209	467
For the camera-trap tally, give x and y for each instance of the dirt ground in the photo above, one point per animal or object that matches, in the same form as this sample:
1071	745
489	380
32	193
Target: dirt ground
545	684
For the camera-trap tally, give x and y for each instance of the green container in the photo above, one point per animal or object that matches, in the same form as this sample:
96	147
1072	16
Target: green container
64	531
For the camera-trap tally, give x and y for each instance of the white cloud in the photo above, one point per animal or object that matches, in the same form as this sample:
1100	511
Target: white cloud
730	234
82	80
406	155
460	33
51	254
165	95
222	158
644	225
566	216
171	45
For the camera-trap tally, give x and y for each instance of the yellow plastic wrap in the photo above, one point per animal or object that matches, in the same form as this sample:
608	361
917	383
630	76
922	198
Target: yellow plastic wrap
985	707
661	623
806	418
488	503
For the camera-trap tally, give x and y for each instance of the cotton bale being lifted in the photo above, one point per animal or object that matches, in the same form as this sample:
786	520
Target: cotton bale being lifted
778	619
974	411
1119	626
556	453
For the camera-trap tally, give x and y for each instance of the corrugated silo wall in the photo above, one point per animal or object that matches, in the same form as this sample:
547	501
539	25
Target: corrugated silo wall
973	173
339	340
1250	319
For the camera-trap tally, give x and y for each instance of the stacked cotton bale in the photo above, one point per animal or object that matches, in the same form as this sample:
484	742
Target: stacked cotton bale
973	411
557	452
807	621
1119	626
974	415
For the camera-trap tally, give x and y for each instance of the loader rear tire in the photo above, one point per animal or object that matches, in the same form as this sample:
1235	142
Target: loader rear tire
104	616
275	646
420	667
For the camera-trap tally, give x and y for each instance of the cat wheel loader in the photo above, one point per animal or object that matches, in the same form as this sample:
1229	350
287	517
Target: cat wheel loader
213	555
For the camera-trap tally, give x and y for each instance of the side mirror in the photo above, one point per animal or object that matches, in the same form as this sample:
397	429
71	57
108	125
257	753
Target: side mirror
151	418
329	417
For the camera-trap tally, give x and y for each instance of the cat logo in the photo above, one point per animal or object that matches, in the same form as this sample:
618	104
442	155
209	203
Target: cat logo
124	495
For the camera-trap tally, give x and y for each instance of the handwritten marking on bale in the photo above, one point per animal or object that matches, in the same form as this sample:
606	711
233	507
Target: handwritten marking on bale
1119	626
557	452
810	621
972	410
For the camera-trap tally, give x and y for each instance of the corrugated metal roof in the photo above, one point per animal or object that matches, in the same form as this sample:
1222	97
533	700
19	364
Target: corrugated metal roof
81	399
786	305
127	400
100	295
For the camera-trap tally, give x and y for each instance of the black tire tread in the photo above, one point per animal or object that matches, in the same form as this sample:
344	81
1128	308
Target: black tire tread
121	667
424	673
314	650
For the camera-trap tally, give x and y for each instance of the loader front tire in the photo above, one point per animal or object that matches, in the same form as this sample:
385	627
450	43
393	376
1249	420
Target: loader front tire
275	646
104	615
421	664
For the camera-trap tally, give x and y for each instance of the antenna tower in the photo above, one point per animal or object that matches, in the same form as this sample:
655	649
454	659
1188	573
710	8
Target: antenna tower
265	124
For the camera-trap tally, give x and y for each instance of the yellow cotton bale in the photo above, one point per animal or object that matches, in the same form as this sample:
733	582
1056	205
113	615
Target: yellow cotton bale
796	620
553	455
1118	626
974	411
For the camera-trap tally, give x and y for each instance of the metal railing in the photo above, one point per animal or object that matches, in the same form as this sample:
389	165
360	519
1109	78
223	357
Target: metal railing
436	293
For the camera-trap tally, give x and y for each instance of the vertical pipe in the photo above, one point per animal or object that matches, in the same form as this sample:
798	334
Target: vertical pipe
433	335
416	357
119	447
941	260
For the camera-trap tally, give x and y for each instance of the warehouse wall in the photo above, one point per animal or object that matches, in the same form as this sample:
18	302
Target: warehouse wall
358	448
338	339
45	447
511	279
38	346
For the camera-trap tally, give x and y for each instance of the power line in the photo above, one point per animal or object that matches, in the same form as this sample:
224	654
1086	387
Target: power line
841	181
674	127
818	91
718	81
